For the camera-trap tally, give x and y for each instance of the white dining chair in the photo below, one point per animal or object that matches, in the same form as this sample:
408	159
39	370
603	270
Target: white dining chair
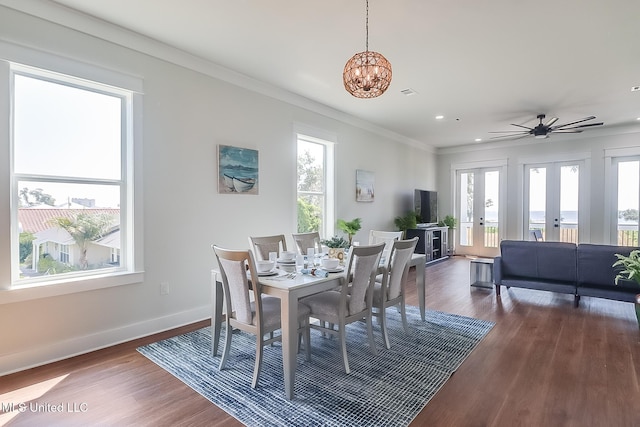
259	317
308	240
263	245
390	291
352	301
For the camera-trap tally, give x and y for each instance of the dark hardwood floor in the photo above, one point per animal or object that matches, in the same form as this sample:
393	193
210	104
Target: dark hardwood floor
545	363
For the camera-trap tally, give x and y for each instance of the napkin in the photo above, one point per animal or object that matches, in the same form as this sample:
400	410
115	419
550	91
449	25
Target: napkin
315	272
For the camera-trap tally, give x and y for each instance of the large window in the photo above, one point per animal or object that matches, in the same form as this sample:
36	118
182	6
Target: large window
71	177
315	186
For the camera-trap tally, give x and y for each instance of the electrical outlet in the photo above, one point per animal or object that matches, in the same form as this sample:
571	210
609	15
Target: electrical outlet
164	288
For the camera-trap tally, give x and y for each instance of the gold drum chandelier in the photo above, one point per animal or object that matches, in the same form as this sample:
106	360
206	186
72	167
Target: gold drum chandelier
367	74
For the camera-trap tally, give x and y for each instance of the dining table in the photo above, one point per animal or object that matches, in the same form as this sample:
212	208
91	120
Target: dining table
290	288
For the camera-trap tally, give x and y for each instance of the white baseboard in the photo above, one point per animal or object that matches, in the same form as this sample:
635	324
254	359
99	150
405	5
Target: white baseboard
54	352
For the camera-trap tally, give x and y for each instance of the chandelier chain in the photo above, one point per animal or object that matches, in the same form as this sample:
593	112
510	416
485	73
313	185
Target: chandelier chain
367	29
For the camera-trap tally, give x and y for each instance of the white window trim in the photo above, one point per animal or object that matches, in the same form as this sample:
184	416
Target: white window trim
329	141
9	292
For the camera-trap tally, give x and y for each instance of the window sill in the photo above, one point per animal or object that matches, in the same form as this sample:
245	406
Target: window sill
53	289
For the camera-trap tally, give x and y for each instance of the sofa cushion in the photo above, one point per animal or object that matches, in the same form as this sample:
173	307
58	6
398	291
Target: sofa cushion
553	261
595	267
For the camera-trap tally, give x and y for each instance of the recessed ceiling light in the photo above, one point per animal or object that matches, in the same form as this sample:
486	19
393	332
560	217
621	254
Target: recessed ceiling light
635	88
439	117
638	118
478	139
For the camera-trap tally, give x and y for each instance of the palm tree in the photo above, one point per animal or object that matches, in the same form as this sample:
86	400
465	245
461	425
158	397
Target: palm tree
85	228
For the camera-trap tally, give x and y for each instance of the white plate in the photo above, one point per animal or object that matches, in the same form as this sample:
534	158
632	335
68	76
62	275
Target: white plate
334	270
287	261
268	273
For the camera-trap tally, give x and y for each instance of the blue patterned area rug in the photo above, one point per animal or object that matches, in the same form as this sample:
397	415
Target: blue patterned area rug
385	390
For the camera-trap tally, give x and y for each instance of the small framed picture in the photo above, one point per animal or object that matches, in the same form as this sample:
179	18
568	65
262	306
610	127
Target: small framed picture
364	186
237	170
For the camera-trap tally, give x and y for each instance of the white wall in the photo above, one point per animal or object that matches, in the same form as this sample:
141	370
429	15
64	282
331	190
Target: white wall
186	114
589	145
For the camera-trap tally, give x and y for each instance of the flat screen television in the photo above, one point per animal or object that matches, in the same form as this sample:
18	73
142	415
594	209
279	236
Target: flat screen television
426	207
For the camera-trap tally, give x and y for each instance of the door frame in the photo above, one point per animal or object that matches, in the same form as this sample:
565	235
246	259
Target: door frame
584	198
498	164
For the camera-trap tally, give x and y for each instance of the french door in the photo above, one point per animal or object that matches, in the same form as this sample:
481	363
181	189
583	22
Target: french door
479	211
553	201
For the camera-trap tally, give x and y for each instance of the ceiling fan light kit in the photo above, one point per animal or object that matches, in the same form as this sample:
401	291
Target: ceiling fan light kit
543	130
367	74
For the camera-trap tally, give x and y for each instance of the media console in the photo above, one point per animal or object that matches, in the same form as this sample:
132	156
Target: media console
432	242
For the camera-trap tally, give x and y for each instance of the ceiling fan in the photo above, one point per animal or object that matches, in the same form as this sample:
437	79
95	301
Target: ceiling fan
543	130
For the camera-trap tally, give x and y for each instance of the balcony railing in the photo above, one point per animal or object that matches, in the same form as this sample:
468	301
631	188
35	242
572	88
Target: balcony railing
627	234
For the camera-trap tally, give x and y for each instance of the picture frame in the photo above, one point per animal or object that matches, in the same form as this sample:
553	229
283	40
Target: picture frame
365	181
238	170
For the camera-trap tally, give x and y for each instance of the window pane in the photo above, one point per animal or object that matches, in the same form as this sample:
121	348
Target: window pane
628	202
61	130
310	166
466	208
310	208
492	207
538	199
569	191
311	186
67	227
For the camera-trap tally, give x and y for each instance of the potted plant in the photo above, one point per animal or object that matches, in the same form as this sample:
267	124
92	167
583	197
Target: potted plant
335	242
450	222
630	271
336	246
350	227
406	222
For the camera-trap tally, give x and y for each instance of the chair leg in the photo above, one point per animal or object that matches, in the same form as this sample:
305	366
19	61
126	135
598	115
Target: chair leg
227	346
304	335
383	325
403	314
343	347
372	343
258	365
307	341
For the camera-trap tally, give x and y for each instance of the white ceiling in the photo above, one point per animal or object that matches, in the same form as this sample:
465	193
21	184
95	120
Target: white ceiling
482	64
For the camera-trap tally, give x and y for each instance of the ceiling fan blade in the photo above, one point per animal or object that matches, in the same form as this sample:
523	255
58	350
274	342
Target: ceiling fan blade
512	137
509	131
567	131
583	126
573	123
520	126
552	121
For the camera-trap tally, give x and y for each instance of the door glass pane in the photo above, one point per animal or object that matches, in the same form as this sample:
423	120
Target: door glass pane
569	203
466	208
491	206
537	199
628	203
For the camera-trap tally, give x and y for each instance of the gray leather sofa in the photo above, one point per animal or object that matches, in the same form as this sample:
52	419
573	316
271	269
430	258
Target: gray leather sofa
579	270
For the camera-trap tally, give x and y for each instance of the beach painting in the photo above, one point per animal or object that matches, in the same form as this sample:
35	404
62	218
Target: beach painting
364	186
237	170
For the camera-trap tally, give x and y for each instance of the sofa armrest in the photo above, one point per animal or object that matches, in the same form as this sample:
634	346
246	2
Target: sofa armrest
497	270
497	273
